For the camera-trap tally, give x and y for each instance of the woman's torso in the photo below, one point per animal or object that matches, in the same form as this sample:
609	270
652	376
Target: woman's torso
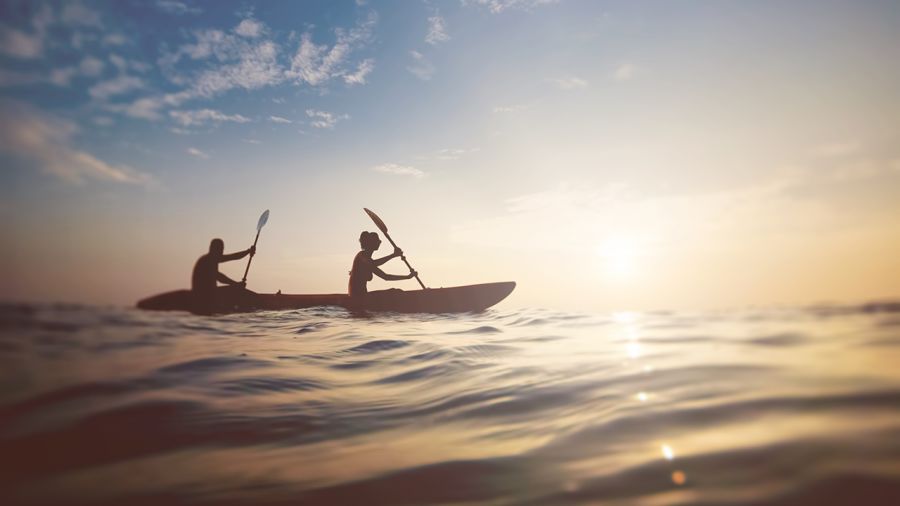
360	274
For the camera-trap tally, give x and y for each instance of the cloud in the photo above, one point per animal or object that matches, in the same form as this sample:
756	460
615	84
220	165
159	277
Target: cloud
27	46
571	83
115	86
398	170
256	67
316	64
437	30
114	39
197	153
250	28
252	141
62	77
359	77
625	71
279	119
123	65
421	68
177	8
204	116
46	142
217	62
498	6
235	63
76	14
149	107
454	153
324	119
91	67
19	44
509	108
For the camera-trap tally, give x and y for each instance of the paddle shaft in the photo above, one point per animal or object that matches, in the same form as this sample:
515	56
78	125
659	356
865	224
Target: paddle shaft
403	257
244	280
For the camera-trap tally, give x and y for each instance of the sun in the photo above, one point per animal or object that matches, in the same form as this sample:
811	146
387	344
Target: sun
618	257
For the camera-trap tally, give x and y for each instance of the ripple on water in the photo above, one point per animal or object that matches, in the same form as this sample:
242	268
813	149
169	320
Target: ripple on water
318	406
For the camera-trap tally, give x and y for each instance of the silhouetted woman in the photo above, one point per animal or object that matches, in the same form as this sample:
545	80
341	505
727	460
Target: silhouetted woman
364	266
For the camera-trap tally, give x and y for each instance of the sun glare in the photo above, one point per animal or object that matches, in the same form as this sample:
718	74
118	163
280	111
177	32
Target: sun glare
618	257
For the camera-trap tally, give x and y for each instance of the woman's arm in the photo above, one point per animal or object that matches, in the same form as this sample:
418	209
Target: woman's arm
397	253
393	277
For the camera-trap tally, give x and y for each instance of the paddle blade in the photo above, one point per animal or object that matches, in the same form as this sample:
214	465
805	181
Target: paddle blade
378	223
262	220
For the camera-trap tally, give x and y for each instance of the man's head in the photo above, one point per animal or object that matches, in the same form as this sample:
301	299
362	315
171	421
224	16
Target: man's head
216	247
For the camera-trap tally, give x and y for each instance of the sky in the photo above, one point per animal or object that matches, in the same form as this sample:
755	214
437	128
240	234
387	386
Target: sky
605	155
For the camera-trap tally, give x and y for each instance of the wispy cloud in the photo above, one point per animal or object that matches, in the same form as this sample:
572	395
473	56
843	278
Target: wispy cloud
91	67
421	67
626	71
570	83
250	28
205	116
324	119
115	39
437	30
178	8
279	119
27	45
453	153
218	61
500	109
197	153
316	64
398	170
77	14
498	6
115	86
46	142
359	77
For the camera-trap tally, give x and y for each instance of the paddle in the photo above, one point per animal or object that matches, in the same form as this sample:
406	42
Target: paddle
381	226
262	221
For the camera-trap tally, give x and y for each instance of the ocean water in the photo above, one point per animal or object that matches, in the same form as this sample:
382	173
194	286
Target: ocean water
765	406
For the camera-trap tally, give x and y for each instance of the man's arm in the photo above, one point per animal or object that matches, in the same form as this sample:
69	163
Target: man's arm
239	254
221	278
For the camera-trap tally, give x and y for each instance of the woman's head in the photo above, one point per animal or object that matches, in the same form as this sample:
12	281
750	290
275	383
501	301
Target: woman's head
369	241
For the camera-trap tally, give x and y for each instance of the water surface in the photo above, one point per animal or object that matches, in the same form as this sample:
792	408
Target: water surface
769	406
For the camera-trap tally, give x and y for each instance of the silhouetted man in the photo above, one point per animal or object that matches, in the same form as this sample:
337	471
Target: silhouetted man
206	271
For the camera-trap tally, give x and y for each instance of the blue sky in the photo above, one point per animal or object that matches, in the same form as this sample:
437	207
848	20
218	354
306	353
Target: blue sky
603	154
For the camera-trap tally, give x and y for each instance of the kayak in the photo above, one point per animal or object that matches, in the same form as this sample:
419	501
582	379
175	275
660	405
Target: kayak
454	299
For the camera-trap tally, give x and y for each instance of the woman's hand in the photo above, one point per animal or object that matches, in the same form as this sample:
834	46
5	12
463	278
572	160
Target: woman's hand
412	274
398	252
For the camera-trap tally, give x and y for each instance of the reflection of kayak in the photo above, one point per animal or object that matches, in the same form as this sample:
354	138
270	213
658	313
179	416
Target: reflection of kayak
431	300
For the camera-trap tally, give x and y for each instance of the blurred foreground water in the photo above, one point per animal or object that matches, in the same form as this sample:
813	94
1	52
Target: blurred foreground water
774	406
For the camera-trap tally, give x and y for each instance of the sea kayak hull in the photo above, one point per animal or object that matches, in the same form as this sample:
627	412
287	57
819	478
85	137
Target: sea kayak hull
431	300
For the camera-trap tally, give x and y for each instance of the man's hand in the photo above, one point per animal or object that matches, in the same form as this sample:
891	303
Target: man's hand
252	250
398	252
412	274
242	284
